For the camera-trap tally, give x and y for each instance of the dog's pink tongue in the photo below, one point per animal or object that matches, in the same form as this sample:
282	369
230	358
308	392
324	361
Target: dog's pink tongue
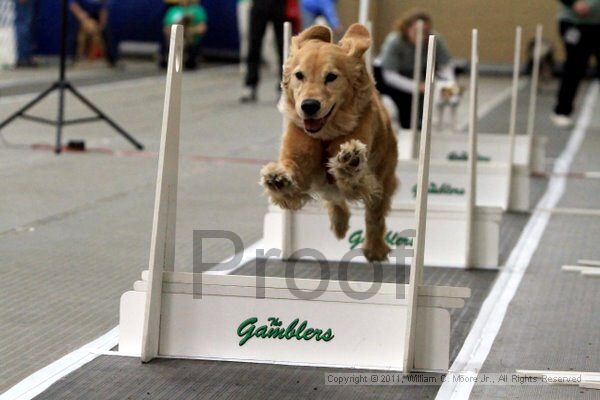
313	125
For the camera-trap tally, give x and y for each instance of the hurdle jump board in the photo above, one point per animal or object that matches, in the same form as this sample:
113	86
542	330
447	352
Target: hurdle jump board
495	188
492	147
446	236
213	327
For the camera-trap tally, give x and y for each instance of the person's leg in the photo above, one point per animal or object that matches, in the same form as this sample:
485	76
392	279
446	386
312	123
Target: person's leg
111	46
243	15
596	47
23	20
578	51
193	50
258	22
278	19
401	100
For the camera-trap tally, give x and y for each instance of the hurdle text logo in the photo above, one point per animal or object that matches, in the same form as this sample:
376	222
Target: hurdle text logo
392	238
275	330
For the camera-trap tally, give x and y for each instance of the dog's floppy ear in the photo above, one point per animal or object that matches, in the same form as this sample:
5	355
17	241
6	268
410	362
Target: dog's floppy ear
356	40
316	32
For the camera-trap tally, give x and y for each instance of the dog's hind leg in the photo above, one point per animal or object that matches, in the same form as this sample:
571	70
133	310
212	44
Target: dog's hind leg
375	248
440	116
339	217
454	116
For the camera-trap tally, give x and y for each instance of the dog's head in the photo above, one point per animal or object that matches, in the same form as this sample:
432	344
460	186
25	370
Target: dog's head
450	91
326	85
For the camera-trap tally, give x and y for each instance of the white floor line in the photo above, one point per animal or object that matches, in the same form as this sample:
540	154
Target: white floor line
39	381
489	320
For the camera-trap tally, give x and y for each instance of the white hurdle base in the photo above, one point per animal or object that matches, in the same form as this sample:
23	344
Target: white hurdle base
369	337
492	146
446	238
492	177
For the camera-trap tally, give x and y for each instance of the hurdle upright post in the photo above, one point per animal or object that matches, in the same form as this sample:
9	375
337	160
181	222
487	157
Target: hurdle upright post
473	156
416	268
162	246
535	77
363	11
416	96
369	52
513	107
287	217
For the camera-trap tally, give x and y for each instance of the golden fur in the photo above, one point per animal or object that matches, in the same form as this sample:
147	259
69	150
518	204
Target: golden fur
354	145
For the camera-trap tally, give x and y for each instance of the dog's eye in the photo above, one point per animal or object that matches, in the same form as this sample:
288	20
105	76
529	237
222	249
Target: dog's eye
299	75
330	77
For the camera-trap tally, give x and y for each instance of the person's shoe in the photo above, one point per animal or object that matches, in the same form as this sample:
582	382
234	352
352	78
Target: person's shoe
561	120
248	94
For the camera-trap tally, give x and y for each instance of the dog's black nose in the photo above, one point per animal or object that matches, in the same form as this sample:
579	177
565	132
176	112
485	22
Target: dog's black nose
310	106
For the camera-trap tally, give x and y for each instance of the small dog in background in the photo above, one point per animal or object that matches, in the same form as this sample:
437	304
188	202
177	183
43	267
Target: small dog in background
448	94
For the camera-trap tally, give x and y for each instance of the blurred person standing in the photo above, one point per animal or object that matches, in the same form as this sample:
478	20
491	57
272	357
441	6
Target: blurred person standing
393	69
312	9
261	13
23	25
579	25
192	16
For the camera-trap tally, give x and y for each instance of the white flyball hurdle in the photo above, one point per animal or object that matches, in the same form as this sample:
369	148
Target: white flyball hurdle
452	212
397	327
527	151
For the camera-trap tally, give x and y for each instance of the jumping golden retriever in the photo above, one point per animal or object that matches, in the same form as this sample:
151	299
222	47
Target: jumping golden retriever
339	143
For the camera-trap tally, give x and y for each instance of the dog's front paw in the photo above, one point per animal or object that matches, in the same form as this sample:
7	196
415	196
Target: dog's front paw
350	161
275	178
280	186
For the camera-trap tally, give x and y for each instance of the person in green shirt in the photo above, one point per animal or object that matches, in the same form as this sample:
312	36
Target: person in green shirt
192	16
579	25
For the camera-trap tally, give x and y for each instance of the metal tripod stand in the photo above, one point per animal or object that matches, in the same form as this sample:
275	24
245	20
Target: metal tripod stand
62	85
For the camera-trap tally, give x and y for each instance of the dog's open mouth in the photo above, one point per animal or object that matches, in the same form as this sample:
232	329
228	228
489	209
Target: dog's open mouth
314	125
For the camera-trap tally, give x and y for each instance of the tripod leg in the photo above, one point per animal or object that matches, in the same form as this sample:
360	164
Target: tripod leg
109	121
60	118
28	106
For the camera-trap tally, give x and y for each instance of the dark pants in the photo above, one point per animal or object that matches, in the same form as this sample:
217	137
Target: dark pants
403	100
581	42
23	21
261	13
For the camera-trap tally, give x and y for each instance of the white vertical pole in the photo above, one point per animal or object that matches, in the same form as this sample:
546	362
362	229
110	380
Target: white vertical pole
472	163
363	11
414	109
162	246
535	76
287	217
369	53
416	268
513	108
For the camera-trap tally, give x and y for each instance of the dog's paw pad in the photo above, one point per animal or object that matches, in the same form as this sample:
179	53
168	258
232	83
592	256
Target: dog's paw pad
351	158
275	178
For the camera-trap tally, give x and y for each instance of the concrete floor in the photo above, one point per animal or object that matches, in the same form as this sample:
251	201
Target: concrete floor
75	228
